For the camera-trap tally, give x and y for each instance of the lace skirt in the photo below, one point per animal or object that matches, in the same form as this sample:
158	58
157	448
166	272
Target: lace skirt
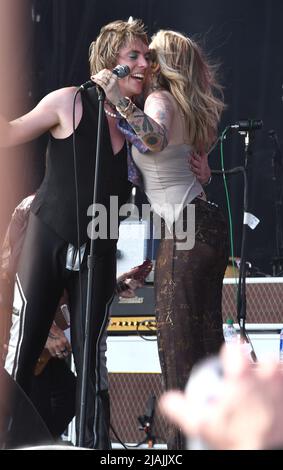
188	290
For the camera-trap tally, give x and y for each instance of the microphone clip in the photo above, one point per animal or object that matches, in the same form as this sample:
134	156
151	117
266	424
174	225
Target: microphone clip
247	125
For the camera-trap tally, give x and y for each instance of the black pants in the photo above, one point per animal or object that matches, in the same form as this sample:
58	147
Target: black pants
40	280
53	392
188	289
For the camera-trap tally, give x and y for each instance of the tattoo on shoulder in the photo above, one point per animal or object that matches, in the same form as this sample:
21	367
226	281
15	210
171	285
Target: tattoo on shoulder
146	125
151	140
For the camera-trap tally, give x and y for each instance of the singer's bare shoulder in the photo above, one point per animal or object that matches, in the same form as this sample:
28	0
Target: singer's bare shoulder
63	101
53	113
62	96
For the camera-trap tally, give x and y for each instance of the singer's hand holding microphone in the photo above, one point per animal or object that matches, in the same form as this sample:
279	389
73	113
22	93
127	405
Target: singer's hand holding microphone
108	81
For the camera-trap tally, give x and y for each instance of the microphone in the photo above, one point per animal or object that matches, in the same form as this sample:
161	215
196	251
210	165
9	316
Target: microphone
120	70
247	125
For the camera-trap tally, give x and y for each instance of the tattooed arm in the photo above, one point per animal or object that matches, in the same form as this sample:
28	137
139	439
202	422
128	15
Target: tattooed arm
152	126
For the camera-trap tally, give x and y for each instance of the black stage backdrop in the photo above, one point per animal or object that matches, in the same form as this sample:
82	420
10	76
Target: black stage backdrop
245	37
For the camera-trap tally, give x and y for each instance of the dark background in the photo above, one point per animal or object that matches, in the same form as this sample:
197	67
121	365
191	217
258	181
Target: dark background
245	37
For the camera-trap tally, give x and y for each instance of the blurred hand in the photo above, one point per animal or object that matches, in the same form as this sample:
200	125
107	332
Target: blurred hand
247	415
200	167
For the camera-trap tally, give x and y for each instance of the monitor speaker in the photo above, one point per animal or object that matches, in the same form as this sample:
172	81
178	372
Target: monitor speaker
20	423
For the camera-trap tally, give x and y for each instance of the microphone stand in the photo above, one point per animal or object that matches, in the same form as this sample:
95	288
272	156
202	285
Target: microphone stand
146	422
90	265
241	294
277	173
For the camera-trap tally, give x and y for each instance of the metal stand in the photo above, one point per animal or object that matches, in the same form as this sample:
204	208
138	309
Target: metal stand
277	178
90	264
245	128
146	422
241	294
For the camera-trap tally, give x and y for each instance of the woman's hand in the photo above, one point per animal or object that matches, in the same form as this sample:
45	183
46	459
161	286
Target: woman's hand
200	167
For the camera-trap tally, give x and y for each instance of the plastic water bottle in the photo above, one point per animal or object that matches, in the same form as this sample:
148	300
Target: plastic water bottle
230	332
281	346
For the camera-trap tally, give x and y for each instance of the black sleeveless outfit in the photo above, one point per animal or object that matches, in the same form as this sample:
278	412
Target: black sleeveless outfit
42	273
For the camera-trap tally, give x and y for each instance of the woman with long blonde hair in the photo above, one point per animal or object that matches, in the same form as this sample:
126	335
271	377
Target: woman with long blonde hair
180	119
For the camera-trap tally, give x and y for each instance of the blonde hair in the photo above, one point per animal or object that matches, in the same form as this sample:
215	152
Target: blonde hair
188	76
104	51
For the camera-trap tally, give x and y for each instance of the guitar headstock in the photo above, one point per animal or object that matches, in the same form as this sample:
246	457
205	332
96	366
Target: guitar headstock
143	270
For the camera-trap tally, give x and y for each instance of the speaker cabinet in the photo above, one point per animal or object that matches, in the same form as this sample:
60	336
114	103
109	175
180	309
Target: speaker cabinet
131	397
264	298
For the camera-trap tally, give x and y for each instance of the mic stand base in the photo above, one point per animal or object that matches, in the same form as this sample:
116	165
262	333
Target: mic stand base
244	339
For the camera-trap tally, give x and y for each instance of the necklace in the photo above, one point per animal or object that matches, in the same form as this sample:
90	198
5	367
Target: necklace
111	105
113	115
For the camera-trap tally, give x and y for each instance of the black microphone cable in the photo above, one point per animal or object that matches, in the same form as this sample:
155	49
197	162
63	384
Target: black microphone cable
77	204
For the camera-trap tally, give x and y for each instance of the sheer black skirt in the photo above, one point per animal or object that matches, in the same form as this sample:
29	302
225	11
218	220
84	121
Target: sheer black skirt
188	289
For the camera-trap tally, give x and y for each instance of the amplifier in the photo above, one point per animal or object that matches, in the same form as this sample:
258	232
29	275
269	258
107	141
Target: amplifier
134	381
132	325
140	306
133	316
264	298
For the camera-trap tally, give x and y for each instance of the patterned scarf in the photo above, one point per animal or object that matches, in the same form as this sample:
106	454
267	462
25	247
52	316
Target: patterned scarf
134	174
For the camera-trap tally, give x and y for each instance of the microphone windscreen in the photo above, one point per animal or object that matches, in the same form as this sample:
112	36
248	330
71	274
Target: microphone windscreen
121	71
